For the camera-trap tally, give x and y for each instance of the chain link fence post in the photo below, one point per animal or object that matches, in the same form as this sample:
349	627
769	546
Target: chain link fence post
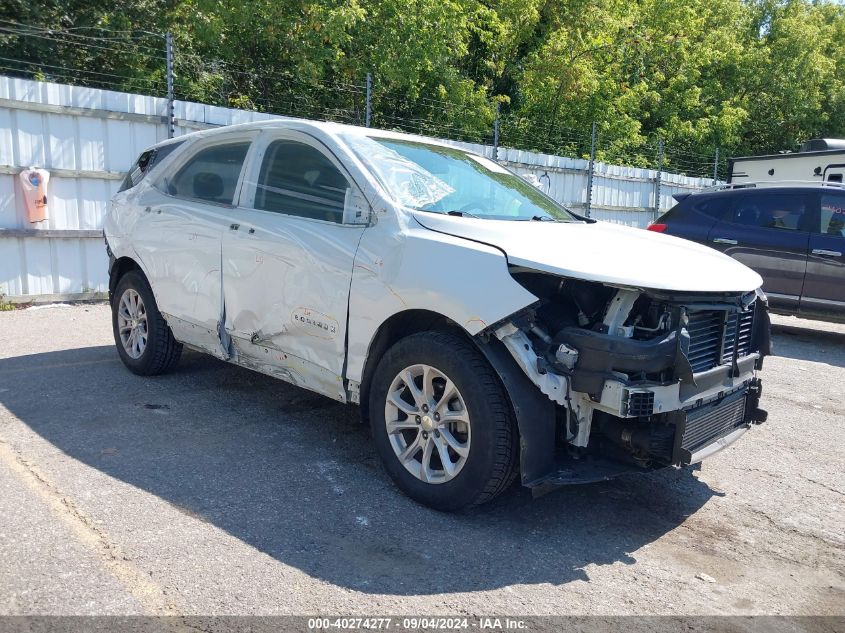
591	170
368	115
658	179
171	112
716	167
496	134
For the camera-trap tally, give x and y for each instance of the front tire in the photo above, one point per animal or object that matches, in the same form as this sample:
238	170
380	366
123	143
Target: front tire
442	422
144	341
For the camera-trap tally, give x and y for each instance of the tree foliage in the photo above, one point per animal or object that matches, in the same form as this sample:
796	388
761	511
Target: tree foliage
746	76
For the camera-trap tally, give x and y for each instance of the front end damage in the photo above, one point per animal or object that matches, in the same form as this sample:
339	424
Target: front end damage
606	380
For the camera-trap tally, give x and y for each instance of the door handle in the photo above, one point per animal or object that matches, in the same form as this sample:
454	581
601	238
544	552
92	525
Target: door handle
724	240
826	253
234	227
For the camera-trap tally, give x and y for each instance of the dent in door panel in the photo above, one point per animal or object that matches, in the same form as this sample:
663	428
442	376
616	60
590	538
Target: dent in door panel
286	284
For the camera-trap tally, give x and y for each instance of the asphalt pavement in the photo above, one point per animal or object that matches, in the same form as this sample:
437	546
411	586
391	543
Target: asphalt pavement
216	490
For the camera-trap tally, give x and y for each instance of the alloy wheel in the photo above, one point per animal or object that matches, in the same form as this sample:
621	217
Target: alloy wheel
132	323
427	423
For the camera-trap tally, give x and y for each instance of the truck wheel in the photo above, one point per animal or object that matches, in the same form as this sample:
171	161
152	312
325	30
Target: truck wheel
442	422
143	338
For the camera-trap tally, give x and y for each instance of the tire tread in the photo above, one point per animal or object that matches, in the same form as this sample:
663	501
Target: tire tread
165	350
505	436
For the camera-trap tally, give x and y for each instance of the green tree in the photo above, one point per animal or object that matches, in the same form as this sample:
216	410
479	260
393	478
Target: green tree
746	76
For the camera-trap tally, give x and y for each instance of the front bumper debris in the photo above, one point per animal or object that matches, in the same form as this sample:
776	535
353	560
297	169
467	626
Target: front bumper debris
648	381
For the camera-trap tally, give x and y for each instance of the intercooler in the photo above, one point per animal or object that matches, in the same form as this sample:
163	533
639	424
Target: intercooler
704	425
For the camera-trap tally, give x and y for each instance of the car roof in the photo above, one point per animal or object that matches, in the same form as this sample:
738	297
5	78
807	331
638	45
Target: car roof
751	187
306	125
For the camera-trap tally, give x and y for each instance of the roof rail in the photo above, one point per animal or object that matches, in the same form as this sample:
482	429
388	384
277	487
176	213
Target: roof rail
776	183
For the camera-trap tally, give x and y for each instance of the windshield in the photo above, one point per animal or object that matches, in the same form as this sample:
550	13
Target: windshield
448	180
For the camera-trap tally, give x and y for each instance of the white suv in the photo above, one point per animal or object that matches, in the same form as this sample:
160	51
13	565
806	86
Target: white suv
485	330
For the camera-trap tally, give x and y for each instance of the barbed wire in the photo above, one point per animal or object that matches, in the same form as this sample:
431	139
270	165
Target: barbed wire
275	90
102	29
256	73
427	127
59	37
71	76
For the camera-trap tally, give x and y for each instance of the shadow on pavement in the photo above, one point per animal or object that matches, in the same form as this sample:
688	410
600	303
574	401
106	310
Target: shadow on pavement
291	474
814	344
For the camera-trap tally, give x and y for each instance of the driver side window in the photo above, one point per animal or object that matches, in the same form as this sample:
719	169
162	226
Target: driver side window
297	179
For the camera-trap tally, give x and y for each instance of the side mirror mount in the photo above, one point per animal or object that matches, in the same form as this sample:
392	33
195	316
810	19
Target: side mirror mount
356	209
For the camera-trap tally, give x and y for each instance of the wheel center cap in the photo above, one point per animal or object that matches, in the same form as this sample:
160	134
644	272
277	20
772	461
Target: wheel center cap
427	423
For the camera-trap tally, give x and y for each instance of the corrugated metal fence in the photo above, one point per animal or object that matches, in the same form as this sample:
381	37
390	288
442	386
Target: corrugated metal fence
87	138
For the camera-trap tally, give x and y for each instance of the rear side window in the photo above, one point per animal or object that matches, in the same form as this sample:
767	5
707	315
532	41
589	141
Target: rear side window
146	161
211	175
297	179
832	215
714	207
783	211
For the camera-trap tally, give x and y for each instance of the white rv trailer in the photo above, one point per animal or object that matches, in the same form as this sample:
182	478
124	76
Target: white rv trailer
818	160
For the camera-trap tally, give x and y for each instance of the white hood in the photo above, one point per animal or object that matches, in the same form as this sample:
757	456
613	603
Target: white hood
604	252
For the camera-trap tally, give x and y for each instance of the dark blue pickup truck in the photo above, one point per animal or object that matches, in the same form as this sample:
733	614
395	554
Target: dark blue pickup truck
792	234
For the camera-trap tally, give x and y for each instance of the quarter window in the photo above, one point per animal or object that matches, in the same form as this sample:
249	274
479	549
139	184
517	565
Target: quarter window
146	161
832	215
297	179
211	174
783	211
714	207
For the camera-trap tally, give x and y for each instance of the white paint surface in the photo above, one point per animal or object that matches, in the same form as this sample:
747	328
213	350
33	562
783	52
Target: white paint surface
604	252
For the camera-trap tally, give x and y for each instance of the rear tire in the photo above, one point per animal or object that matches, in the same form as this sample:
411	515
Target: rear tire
445	452
144	341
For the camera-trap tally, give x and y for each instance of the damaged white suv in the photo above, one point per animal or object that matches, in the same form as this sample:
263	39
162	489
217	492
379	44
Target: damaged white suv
485	330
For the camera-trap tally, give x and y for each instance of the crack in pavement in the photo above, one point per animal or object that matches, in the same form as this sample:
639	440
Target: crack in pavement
137	583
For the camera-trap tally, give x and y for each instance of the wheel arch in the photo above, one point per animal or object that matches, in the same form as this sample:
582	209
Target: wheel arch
395	328
120	267
533	412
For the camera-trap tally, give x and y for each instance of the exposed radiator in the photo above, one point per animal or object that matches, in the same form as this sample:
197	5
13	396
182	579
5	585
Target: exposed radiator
714	334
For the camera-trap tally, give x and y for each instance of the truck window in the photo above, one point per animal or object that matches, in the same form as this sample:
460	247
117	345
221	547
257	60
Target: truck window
832	214
783	211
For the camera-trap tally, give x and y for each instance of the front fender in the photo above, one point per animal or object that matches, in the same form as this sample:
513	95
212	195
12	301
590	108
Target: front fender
397	270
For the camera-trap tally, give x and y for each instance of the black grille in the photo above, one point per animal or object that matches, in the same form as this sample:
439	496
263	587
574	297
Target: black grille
712	422
705	334
738	333
715	333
